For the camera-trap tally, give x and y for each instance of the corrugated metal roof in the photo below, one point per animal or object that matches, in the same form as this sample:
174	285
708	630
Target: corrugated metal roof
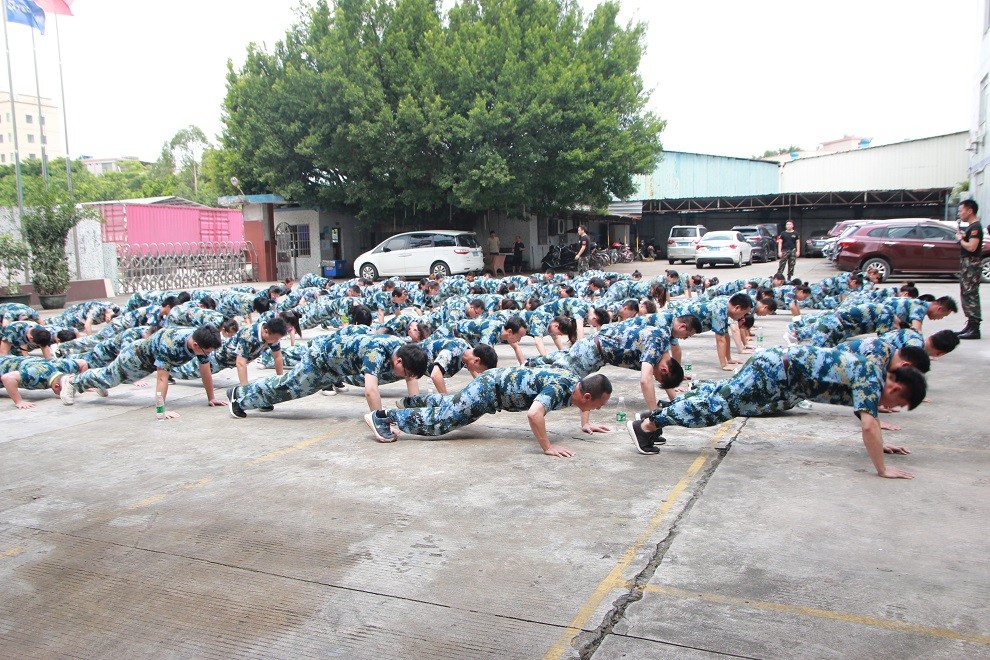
170	200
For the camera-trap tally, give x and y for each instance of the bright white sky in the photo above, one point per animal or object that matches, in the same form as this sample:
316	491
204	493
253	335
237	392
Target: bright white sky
730	77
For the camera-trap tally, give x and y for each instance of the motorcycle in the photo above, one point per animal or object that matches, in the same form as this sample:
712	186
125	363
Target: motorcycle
560	257
647	252
623	252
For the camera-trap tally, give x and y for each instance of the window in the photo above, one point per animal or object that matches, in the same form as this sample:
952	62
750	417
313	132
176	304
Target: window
299	235
937	233
879	232
44	139
420	240
1	139
32	155
444	240
906	231
983	100
29	119
3	158
467	240
30	139
397	243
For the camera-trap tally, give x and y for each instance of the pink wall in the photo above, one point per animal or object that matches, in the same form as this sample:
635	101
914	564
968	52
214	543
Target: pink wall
156	223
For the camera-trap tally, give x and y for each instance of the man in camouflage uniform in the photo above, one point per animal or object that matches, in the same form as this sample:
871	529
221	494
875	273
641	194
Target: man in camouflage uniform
846	322
630	346
448	356
106	351
776	379
970	237
536	391
489	331
17	312
237	350
365	356
911	312
716	315
34	373
83	316
166	349
22	337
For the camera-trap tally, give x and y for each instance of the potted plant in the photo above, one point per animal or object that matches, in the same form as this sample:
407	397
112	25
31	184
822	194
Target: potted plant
47	223
14	256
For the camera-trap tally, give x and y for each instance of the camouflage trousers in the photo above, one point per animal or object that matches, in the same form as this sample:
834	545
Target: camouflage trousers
311	375
190	370
583	358
760	388
102	354
787	260
439	414
969	287
128	367
290	356
38	373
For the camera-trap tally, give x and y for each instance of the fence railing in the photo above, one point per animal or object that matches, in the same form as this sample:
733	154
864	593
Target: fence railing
185	265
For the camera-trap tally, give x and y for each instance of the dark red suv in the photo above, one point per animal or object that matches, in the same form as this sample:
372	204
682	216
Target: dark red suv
905	246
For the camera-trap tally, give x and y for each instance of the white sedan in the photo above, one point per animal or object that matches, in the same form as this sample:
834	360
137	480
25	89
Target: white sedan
724	247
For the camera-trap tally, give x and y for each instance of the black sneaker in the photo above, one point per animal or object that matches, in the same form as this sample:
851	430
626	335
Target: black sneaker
380	427
644	414
235	408
646	443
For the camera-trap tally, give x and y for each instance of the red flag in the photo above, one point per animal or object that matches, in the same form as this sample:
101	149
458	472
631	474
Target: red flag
56	6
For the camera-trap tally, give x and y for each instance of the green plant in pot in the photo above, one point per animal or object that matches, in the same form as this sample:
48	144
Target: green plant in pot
47	223
14	255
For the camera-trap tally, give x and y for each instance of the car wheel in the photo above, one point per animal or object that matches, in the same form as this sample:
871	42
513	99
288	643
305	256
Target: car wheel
369	272
985	270
672	261
440	268
699	264
882	266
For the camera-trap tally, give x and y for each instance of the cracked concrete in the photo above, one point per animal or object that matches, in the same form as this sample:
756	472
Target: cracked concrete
294	534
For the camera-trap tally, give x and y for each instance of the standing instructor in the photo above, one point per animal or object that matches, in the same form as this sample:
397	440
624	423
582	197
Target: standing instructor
970	237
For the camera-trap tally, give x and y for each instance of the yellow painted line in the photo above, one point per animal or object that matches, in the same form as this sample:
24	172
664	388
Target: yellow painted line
154	499
197	484
887	624
614	579
11	552
288	450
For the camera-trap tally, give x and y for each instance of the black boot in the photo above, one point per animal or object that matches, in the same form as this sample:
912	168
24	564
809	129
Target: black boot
972	331
969	326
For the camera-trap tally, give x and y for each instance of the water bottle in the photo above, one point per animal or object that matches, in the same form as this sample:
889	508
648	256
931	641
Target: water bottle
620	410
159	407
759	337
687	368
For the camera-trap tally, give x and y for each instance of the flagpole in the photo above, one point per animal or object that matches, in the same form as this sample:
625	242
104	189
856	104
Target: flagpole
41	118
65	115
13	115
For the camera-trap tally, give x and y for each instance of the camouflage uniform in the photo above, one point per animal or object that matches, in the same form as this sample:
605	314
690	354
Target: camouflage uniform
474	331
907	310
882	348
191	315
247	343
16	333
75	316
17	312
713	314
313	280
330	359
514	389
850	322
776	379
106	351
621	345
37	373
445	353
299	296
969	273
231	303
326	311
163	350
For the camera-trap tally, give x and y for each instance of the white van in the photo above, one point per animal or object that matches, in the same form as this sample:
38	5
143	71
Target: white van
439	251
683	242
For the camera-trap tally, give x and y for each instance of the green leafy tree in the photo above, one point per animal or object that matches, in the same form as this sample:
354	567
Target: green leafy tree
777	152
384	106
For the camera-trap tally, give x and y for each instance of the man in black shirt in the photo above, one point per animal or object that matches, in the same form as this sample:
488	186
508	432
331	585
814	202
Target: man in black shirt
788	249
970	237
585	251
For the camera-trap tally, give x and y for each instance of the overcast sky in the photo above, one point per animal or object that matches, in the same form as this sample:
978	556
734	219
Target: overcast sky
730	77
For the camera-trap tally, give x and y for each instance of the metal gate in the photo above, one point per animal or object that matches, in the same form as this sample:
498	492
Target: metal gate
285	253
184	265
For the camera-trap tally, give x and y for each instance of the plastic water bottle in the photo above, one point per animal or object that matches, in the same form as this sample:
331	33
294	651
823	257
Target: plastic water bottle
159	407
620	410
759	337
687	368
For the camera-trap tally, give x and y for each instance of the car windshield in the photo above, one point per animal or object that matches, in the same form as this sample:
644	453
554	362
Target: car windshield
748	231
467	240
683	232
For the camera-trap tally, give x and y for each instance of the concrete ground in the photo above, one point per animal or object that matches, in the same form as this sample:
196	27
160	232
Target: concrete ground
294	534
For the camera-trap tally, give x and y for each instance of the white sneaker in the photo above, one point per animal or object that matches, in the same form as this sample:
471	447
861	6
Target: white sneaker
68	393
331	392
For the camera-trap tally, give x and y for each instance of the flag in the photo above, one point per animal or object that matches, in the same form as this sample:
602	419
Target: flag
26	12
55	6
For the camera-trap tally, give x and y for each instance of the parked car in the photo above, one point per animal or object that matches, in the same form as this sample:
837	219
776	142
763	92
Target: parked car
439	251
764	243
724	247
682	242
904	246
814	243
841	228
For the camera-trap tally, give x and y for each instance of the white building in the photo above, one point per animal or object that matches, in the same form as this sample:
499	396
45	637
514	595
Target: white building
978	148
100	166
34	131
